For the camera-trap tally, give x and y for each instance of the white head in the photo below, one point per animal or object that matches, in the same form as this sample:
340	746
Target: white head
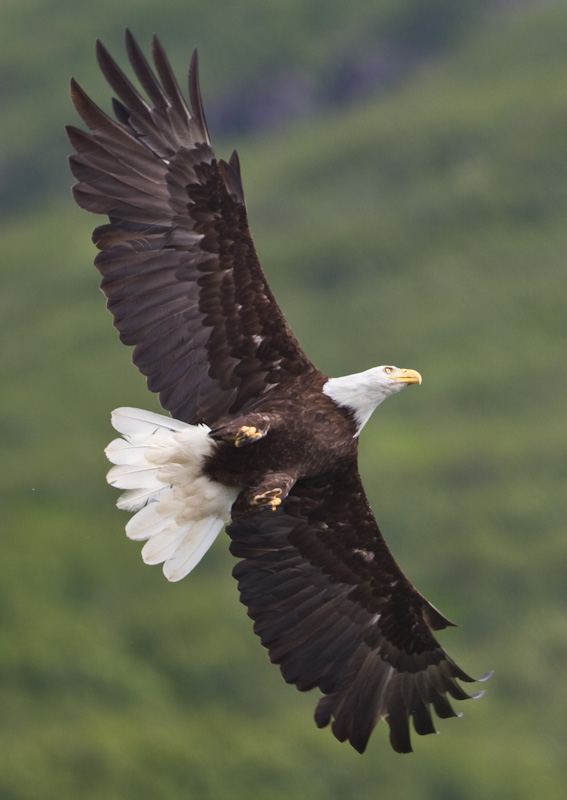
364	391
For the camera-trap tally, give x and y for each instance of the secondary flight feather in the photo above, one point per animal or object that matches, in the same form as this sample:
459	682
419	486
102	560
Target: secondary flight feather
258	437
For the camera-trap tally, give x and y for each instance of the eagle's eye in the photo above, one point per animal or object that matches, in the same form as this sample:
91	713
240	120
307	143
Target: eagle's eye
388	370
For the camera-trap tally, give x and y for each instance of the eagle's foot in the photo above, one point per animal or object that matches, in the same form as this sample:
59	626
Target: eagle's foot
271	498
246	435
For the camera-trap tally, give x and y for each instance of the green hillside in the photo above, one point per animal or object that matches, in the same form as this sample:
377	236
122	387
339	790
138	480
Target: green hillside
420	222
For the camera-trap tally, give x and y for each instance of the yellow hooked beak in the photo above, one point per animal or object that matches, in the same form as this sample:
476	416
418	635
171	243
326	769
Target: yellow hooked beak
406	376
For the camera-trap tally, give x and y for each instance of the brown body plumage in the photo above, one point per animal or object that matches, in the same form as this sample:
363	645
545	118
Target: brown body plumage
186	289
303	434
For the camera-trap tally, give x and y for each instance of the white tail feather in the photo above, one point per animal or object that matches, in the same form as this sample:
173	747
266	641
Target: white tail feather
192	549
162	546
137	423
147	522
180	511
135	499
134	476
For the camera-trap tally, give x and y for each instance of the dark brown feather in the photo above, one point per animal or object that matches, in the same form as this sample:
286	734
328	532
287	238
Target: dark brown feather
178	254
187	292
335	611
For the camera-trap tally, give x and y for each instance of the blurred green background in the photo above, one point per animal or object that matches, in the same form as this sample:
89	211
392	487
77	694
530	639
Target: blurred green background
406	176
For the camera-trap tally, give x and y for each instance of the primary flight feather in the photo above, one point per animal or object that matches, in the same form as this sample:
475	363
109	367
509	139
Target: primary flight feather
258	436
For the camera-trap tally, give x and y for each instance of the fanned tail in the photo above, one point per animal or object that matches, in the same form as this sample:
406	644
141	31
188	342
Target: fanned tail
179	510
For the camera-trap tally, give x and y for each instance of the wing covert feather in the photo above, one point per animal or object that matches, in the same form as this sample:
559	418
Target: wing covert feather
336	612
177	254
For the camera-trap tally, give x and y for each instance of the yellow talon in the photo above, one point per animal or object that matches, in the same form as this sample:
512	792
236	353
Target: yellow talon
269	498
246	434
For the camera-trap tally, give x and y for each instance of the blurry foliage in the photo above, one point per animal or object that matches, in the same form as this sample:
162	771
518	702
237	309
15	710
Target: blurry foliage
424	227
262	63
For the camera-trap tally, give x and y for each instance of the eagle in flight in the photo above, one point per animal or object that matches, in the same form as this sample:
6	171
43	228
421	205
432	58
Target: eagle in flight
258	437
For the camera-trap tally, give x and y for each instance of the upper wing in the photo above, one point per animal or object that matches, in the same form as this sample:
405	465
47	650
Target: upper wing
335	611
178	262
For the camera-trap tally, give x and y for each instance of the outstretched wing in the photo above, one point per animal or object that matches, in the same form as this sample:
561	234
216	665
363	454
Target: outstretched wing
179	267
335	612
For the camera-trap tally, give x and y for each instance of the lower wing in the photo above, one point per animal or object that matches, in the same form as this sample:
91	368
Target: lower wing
336	612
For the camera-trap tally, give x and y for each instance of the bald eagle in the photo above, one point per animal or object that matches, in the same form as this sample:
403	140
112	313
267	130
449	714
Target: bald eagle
258	437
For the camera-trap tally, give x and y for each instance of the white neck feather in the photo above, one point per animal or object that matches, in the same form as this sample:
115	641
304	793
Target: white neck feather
362	393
